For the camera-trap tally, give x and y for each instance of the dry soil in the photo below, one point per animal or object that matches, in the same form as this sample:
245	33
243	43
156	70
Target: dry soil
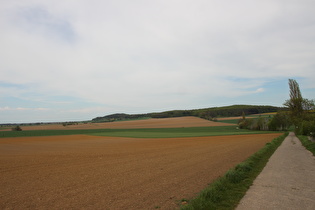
175	122
90	172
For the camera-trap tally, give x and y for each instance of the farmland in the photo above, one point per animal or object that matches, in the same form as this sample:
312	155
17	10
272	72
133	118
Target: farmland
144	168
139	133
175	122
150	128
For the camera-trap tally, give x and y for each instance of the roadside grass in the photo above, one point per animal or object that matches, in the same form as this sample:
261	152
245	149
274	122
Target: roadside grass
227	191
310	145
140	133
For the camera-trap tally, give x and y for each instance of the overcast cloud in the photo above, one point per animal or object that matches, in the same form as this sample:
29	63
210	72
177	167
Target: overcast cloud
79	59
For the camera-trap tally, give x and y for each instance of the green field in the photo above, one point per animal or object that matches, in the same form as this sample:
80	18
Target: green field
233	121
139	133
236	121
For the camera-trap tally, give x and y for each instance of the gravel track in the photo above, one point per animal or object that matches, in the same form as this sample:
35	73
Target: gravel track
287	181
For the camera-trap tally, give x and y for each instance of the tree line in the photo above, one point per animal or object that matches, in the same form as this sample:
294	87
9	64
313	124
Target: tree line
298	115
207	113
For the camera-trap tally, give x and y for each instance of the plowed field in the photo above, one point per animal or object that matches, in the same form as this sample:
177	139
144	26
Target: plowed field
90	172
175	122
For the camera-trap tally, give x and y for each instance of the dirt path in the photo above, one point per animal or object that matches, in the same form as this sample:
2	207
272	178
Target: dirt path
89	172
287	181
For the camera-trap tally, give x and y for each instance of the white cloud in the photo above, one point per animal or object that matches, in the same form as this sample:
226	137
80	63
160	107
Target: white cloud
7	108
260	90
150	55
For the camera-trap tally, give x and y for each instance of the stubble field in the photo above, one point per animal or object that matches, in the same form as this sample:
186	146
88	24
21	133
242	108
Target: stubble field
99	172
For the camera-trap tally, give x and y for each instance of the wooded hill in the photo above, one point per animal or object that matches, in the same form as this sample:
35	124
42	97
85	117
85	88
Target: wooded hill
207	113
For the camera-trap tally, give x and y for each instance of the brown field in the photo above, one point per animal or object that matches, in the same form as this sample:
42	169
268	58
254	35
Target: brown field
175	122
90	172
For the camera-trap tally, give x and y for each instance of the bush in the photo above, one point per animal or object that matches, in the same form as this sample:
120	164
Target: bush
307	128
17	128
245	123
260	124
280	122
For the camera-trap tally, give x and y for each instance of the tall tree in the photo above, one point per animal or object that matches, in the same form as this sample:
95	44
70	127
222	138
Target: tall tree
299	107
295	103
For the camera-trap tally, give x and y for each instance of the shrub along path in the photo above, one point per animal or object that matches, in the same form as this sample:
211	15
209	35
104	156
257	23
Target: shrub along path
287	181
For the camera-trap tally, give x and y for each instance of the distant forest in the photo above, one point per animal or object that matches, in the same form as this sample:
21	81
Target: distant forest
207	113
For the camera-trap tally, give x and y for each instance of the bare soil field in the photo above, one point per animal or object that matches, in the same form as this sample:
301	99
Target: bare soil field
175	122
91	172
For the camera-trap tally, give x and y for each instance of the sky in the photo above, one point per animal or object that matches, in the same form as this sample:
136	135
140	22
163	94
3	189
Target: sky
75	60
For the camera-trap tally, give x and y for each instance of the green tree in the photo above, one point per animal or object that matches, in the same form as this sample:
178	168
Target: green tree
281	121
299	109
16	128
243	115
295	102
308	105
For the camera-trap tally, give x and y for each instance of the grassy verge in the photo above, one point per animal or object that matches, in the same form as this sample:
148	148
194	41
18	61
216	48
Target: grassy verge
140	133
228	190
307	144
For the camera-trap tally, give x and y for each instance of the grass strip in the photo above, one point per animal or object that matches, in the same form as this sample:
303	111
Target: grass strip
177	132
139	133
309	145
233	121
227	191
31	133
